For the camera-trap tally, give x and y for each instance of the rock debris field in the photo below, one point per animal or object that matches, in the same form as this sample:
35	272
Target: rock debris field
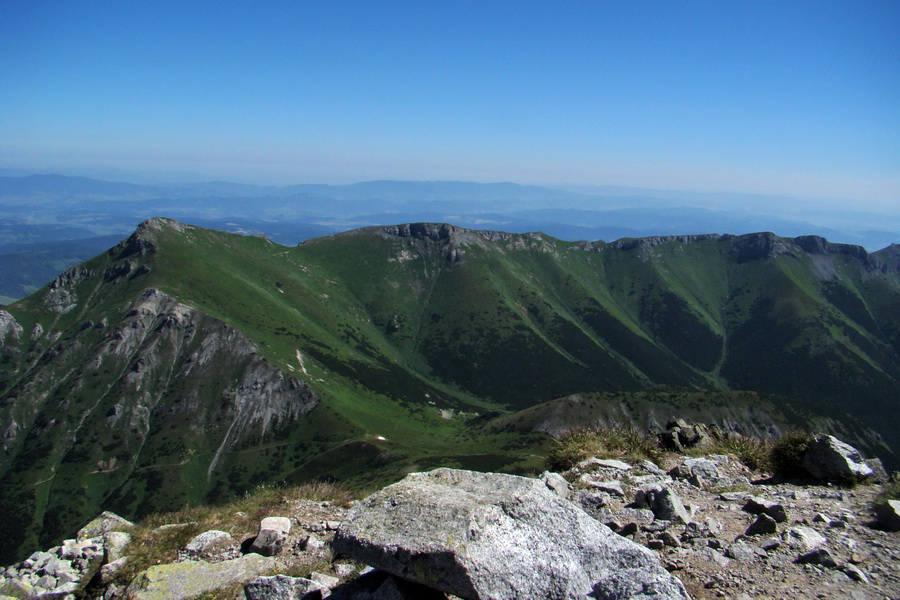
702	528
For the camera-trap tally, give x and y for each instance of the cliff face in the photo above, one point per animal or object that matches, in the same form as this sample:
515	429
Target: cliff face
128	402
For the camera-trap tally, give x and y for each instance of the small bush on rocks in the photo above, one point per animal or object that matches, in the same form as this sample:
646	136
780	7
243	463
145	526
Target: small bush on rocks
786	455
158	537
573	447
576	445
751	451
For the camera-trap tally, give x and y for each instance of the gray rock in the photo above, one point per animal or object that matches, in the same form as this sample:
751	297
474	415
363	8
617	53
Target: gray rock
734	496
829	458
771	543
855	573
819	556
273	531
593	503
107	521
763	525
756	505
693	530
888	514
282	587
210	542
714	527
55	566
610	487
183	580
638	516
713	556
109	570
557	483
326	580
651	467
114	545
803	537
37	560
343	570
699	467
665	503
488	535
604	463
740	551
879	473
67	577
656	526
48	582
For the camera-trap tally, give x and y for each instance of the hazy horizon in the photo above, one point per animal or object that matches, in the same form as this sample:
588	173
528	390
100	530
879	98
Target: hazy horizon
796	100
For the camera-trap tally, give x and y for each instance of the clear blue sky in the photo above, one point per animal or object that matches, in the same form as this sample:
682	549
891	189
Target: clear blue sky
799	98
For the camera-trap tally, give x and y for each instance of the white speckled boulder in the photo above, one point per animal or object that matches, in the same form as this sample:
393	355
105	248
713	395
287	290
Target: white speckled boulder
488	535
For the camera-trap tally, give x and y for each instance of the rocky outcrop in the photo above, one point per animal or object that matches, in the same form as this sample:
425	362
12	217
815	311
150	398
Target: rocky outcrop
68	567
829	546
161	368
758	246
679	435
486	535
656	240
10	330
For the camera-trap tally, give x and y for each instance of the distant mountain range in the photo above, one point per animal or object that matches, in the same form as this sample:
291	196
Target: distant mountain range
56	208
187	365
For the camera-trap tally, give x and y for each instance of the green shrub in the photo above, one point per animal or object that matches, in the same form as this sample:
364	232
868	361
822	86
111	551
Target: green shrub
786	455
573	447
751	451
629	442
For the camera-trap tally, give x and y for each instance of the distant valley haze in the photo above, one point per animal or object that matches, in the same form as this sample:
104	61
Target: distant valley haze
51	222
799	100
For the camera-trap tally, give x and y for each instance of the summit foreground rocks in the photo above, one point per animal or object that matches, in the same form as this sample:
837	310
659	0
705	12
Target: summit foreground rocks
489	535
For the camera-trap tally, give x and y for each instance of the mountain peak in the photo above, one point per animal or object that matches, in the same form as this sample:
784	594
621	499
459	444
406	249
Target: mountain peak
159	224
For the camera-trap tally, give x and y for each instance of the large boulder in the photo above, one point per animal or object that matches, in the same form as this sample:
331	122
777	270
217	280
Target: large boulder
273	531
179	581
829	458
888	513
488	535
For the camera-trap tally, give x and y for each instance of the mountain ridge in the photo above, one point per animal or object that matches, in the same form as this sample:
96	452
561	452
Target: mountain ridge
395	347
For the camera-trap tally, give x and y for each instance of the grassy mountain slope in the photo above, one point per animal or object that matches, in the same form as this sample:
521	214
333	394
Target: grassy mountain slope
186	365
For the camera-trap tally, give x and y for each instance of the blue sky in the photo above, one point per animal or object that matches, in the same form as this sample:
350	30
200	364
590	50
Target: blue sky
796	98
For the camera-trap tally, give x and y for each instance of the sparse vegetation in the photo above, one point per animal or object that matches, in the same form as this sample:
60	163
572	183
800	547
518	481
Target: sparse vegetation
787	452
891	489
158	538
751	451
607	442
